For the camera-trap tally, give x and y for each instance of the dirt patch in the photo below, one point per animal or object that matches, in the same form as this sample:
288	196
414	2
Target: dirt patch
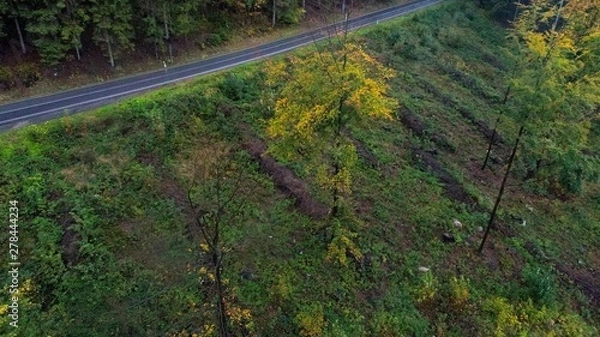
470	83
414	123
464	112
480	125
69	241
486	179
148	159
284	178
172	189
452	188
493	60
411	121
362	151
587	281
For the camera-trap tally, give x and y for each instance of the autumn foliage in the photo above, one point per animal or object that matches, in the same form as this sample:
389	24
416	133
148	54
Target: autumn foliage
323	94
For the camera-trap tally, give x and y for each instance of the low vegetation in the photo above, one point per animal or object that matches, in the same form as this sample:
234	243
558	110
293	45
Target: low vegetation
174	213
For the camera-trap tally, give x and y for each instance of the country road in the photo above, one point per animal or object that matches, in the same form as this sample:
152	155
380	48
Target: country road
43	108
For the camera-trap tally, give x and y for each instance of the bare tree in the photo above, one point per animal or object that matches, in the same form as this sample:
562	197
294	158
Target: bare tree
218	190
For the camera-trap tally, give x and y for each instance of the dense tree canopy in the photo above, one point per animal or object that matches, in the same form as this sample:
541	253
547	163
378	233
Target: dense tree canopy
57	29
324	95
557	89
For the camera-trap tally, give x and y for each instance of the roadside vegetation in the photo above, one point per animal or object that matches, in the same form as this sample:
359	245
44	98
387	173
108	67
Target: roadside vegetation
192	211
47	46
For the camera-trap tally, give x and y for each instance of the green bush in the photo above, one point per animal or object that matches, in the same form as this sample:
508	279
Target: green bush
214	40
233	87
541	286
27	74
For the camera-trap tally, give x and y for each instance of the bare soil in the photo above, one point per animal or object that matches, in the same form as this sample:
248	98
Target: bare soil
483	128
69	241
363	152
453	189
284	178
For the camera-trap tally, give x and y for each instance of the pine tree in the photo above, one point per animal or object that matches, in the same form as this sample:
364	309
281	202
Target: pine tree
17	11
74	18
3	10
113	29
45	27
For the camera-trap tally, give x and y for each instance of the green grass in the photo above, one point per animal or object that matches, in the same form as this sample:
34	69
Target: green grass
116	179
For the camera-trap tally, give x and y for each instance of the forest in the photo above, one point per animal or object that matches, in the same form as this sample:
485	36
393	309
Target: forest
436	174
59	30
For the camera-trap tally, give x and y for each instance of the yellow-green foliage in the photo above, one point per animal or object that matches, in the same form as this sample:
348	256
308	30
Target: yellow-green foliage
525	319
323	93
459	293
316	84
342	244
311	321
282	289
427	289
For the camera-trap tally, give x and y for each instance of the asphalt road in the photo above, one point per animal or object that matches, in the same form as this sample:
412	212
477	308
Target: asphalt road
39	109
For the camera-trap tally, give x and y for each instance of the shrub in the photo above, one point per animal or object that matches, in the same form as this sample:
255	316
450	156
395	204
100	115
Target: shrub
232	86
540	284
311	321
459	293
27	74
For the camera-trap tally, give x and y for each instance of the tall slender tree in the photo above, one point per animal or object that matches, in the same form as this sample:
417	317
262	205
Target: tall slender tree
151	29
18	10
113	29
46	27
74	18
325	93
559	88
554	92
3	10
218	191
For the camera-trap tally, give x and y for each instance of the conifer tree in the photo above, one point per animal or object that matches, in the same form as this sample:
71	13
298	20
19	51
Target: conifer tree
113	29
45	26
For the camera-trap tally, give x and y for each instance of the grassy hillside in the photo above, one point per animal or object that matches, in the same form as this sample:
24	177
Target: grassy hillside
109	244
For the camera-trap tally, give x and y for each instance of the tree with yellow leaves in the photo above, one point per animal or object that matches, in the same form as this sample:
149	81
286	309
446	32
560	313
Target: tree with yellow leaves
218	190
556	93
325	92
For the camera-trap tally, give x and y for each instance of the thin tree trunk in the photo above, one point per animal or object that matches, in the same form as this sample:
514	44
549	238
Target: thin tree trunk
516	10
336	193
274	19
77	53
490	144
501	192
23	49
110	51
221	310
155	48
168	35
558	15
493	138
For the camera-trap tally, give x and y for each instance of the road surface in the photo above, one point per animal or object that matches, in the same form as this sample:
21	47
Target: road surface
39	109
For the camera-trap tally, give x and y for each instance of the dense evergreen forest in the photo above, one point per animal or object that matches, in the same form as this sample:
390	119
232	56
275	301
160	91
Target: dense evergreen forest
59	30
